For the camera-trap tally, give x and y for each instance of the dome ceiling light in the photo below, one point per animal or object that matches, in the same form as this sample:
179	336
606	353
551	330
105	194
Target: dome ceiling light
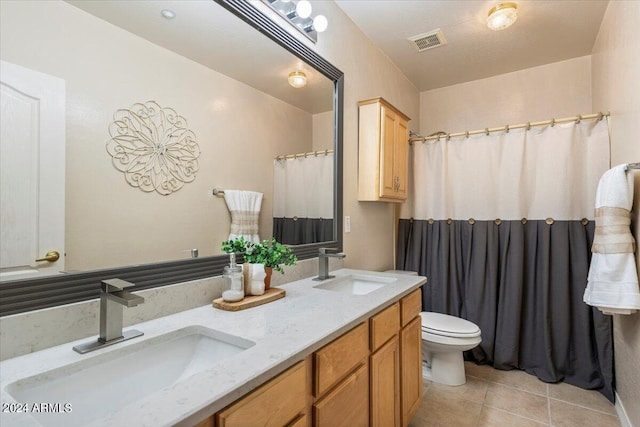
297	79
502	16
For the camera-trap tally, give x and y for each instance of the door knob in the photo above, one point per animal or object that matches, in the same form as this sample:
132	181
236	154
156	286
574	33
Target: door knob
51	256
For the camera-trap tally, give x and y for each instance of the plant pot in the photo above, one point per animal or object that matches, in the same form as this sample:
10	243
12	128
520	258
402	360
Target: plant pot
267	279
254	278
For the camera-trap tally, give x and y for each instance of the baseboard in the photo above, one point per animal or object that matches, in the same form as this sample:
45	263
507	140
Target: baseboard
622	414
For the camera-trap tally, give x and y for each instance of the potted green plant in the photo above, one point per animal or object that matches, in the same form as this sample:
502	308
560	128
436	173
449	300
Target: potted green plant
270	253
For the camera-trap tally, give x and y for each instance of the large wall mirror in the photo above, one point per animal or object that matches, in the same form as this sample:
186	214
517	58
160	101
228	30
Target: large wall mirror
222	66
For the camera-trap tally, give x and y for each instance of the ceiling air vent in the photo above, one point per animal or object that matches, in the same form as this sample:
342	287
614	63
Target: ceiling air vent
428	40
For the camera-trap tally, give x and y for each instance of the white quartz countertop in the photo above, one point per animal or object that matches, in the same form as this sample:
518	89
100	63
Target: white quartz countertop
284	332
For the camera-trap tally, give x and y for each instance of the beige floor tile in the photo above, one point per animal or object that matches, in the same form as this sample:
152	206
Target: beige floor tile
518	402
567	415
519	379
473	390
442	409
478	371
588	398
491	417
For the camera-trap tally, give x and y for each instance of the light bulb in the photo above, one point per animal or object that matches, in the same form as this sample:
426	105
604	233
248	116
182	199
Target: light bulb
320	23
303	9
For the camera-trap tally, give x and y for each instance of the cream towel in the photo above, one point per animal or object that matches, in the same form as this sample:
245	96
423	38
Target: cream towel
244	207
612	283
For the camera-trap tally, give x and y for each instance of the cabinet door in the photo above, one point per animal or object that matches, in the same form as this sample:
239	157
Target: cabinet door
385	385
411	372
347	405
401	158
275	404
389	123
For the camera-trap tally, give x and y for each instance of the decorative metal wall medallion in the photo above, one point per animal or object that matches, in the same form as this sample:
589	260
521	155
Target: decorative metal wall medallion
153	147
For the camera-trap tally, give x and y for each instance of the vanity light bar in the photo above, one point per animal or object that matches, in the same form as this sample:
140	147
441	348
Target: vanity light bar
290	12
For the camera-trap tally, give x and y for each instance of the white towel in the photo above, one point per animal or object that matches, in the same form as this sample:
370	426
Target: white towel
612	283
244	207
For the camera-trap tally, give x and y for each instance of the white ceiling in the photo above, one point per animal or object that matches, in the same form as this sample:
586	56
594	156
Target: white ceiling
546	31
205	32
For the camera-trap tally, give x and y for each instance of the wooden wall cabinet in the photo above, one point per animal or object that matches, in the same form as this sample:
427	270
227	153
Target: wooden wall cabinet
369	376
383	152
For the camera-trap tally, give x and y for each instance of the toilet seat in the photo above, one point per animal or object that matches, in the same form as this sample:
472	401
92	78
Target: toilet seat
448	326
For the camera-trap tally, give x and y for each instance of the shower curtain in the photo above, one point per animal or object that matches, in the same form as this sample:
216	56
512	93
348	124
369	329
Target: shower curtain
303	199
502	227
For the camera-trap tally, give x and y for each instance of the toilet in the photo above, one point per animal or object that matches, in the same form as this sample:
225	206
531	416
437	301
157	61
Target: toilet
444	338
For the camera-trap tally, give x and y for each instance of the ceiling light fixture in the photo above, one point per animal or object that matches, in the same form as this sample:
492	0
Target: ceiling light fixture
169	14
502	16
297	79
298	14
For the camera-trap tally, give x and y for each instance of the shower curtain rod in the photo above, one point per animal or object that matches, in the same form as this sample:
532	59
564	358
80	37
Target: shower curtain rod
311	153
507	128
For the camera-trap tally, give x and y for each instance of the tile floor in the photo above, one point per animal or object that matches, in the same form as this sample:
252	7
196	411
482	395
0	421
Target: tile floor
494	398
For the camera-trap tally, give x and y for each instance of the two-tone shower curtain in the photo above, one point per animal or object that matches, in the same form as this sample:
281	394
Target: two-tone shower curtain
303	199
502	226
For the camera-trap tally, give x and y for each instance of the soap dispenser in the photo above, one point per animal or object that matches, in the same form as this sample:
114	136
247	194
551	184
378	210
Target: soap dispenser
233	281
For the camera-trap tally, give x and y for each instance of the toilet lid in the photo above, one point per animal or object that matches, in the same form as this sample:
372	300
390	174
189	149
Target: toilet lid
451	326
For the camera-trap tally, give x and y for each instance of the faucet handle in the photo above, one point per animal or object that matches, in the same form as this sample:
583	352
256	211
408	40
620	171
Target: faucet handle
324	251
114	285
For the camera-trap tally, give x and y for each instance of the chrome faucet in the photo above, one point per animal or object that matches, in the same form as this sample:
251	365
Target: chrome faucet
323	263
113	298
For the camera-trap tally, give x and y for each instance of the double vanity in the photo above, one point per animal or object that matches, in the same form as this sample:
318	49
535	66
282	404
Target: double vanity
306	358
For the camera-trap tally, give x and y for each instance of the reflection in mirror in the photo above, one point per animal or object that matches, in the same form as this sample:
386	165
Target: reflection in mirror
226	80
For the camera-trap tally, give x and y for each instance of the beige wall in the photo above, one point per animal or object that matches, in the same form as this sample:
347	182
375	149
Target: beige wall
557	90
105	69
322	131
368	73
616	87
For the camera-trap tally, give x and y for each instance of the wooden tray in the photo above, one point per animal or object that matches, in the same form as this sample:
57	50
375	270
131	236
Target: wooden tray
250	301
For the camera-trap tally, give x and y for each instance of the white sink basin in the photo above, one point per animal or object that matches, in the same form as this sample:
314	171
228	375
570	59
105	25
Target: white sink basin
356	284
98	386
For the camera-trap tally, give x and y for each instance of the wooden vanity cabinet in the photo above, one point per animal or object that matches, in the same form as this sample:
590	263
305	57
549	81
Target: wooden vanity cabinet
383	152
369	376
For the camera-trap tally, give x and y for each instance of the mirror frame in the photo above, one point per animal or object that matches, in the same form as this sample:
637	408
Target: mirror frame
24	295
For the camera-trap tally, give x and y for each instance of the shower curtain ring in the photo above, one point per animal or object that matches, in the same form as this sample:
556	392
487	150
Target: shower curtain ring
600	116
448	137
506	128
553	122
579	119
466	134
528	125
486	131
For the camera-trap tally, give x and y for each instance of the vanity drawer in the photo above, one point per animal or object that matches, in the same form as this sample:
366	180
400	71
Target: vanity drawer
384	325
347	405
411	306
335	360
277	403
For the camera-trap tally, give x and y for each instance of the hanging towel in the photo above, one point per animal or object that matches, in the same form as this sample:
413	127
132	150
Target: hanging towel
245	210
612	283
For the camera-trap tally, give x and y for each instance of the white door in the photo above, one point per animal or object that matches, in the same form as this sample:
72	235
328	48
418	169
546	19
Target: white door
32	159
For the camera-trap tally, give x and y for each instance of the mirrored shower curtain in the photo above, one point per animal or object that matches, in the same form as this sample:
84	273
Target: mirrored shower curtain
303	199
502	226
